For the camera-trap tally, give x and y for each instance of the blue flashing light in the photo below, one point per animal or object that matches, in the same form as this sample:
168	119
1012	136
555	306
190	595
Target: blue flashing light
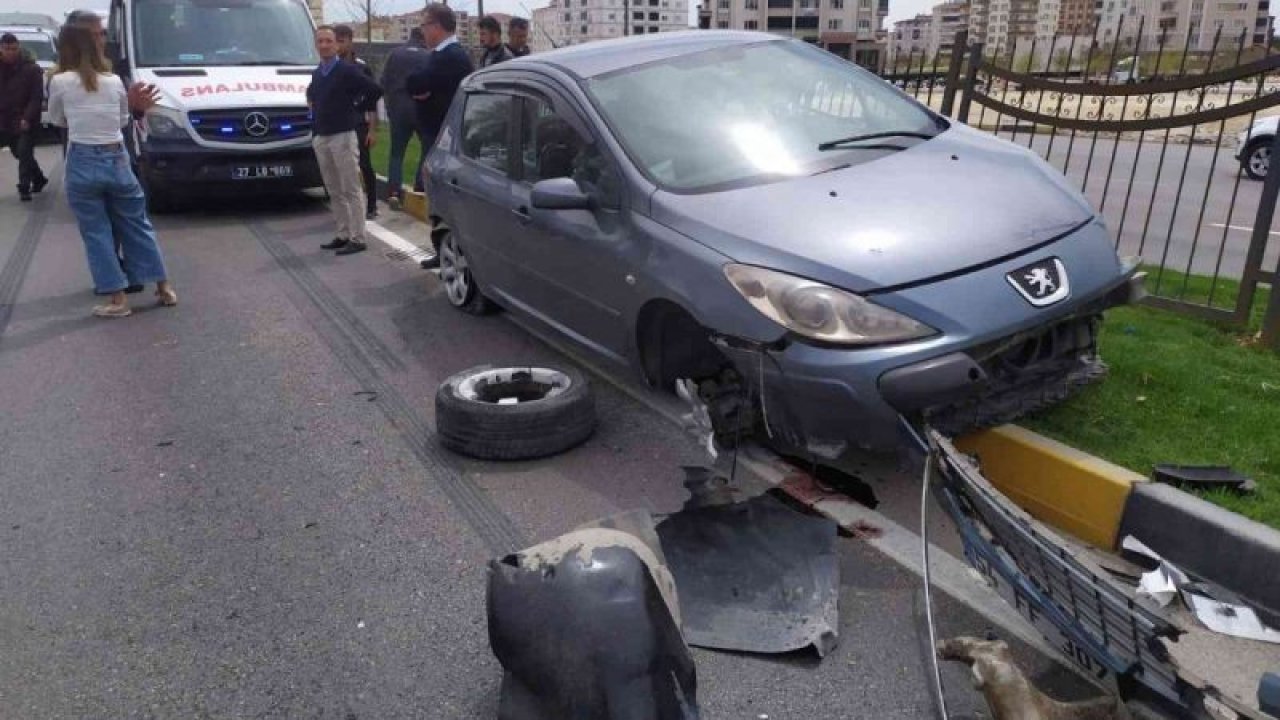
285	127
227	130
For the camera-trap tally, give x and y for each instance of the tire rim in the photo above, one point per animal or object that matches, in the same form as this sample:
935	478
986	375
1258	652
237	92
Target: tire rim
1260	160
514	386
455	271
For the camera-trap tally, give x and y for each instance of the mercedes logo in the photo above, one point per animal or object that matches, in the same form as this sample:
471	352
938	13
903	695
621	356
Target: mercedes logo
256	124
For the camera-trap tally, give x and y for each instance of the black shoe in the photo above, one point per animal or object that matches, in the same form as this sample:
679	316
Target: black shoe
39	185
133	289
431	263
24	195
335	244
352	247
371	215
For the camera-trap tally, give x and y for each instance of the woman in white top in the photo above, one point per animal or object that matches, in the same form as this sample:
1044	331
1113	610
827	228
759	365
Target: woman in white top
102	190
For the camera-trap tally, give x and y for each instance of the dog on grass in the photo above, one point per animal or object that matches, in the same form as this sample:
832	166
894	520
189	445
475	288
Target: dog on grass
1009	693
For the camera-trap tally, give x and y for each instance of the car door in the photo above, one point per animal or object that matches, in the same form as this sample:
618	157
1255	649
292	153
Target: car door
479	182
574	261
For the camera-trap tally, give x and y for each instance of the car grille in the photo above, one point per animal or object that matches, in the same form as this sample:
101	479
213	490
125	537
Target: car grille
252	125
1027	373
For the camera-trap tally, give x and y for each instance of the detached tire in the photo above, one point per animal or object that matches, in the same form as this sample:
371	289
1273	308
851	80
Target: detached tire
514	413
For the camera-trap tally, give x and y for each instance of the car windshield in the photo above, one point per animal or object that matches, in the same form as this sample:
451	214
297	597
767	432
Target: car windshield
222	32
751	113
40	46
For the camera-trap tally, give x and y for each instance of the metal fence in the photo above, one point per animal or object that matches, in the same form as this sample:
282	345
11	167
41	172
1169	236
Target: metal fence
1147	128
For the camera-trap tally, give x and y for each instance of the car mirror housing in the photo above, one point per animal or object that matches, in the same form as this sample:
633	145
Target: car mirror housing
560	193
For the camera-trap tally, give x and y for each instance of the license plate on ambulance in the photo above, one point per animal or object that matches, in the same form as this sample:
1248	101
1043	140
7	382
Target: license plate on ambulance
257	172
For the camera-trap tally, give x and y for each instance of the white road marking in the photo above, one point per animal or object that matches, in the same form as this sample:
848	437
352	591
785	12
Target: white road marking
897	542
1241	228
395	241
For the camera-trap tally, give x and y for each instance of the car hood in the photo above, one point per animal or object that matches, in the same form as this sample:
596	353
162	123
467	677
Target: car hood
954	202
203	88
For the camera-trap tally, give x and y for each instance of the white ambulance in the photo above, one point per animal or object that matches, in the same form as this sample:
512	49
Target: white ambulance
233	75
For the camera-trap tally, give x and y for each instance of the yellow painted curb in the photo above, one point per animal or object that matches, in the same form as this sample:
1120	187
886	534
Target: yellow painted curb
416	204
1073	491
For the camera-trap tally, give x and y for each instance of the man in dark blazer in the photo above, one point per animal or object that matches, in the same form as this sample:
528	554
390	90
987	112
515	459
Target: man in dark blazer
434	86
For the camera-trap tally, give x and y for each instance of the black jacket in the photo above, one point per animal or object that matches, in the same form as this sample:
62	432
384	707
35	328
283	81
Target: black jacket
337	98
501	53
439	80
403	62
21	94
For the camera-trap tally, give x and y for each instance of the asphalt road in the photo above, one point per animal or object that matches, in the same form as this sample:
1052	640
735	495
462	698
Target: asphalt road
237	508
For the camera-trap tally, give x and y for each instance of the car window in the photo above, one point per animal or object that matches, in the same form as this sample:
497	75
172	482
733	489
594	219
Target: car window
486	121
758	112
552	148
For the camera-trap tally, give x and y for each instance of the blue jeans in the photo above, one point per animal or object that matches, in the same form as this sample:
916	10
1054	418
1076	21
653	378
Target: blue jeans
111	208
402	129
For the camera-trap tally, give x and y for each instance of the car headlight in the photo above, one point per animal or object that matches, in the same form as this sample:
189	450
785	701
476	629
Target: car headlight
166	124
822	312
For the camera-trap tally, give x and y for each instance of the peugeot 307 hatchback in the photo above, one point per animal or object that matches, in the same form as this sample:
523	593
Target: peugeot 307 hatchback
814	251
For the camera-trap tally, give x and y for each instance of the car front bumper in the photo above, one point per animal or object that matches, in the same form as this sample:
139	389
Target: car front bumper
830	401
190	168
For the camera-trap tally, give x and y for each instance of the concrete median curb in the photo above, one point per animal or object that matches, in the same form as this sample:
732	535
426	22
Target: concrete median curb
1101	503
415	203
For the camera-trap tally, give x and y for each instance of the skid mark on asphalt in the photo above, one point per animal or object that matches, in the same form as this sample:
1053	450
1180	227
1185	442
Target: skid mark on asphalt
345	335
15	268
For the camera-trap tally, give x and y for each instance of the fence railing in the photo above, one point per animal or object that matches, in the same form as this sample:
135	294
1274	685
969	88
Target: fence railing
1155	131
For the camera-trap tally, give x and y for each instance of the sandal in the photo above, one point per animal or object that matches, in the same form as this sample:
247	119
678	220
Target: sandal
112	311
167	298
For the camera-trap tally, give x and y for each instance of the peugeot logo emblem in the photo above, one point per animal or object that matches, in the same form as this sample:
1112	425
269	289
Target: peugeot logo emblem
256	124
1041	283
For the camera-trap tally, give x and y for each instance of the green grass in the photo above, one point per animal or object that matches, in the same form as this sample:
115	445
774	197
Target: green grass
1183	390
382	149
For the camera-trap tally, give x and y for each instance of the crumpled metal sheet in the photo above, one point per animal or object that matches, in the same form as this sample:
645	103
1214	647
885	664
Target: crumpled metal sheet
754	576
586	627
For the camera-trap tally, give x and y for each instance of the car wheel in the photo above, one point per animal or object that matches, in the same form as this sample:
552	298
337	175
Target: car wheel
459	282
1257	159
514	413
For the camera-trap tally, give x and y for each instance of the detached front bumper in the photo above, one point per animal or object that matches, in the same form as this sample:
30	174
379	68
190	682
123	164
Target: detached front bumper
830	402
190	168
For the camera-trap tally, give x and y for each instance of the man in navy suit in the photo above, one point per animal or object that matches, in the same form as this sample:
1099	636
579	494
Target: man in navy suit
434	86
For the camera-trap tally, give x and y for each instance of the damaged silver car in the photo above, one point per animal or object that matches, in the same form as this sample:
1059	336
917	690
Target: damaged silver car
817	251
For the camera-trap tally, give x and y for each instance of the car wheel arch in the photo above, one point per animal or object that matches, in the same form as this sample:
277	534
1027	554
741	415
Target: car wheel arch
671	343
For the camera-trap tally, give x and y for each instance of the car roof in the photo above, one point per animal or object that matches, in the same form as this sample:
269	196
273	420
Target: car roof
603	56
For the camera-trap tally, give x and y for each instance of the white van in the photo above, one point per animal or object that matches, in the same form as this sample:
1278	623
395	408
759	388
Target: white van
233	76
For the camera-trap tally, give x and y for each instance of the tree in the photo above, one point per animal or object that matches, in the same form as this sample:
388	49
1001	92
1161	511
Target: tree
1062	60
365	12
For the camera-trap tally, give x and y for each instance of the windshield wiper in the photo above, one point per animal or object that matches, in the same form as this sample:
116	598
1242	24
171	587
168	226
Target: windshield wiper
836	144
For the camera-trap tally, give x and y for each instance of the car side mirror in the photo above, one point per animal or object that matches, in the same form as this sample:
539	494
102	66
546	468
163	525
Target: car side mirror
560	193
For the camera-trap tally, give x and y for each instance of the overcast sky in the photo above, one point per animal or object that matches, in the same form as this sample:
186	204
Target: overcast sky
339	9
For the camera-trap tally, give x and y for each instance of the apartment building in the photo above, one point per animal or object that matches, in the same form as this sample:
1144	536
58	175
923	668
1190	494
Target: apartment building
852	29
948	19
572	22
1195	23
1004	25
910	40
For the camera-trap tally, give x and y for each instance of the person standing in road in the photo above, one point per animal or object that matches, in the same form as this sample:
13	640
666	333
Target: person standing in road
434	86
491	40
337	92
401	113
104	194
367	130
21	95
518	37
